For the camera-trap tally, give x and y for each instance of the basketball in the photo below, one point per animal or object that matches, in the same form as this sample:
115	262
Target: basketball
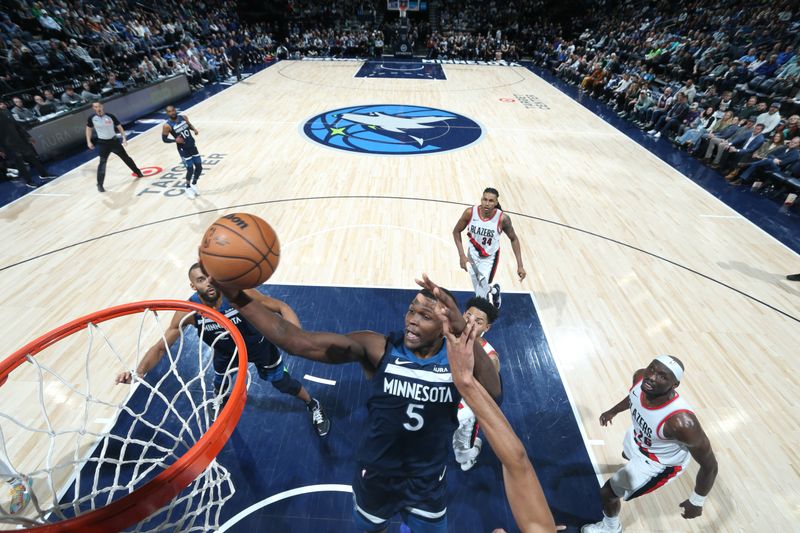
240	250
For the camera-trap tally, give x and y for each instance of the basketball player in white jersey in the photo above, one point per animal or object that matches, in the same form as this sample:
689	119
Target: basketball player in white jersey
484	224
664	437
466	443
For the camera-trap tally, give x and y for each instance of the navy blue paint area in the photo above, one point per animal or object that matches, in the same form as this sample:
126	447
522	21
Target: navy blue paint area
392	129
400	70
12	190
766	213
275	449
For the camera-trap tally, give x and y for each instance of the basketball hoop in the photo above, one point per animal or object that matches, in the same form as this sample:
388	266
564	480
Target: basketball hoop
171	482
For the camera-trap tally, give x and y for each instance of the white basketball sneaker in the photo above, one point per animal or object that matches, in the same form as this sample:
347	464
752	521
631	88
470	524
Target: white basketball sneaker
193	186
600	527
190	193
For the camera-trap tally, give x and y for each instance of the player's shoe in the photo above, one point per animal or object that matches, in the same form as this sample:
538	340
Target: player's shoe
497	298
193	186
190	193
139	173
320	421
793	277
600	527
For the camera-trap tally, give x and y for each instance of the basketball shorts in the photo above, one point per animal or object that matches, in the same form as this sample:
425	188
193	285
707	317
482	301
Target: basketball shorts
188	152
482	271
642	475
421	501
263	354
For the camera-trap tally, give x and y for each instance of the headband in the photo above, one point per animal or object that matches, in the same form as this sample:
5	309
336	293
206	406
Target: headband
672	364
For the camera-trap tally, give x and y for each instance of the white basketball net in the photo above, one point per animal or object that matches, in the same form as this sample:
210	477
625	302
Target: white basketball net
64	427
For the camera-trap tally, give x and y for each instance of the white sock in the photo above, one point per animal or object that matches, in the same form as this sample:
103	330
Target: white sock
611	521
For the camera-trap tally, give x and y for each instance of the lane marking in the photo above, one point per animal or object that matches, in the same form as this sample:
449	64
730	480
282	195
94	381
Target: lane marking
721	216
324	381
309	489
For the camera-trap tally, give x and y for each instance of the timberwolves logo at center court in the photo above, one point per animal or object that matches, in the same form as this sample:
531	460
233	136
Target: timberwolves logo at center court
392	129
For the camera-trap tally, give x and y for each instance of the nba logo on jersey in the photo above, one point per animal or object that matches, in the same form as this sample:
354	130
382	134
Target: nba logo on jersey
392	130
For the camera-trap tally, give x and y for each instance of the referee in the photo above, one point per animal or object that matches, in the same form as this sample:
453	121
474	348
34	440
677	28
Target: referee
106	126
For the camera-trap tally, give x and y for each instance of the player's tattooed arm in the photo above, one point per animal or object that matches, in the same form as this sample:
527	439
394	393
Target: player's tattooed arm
508	228
165	131
276	306
324	347
684	427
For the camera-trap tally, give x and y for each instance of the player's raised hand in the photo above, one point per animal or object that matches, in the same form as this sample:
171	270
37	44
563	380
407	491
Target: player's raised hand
690	510
447	304
460	352
123	377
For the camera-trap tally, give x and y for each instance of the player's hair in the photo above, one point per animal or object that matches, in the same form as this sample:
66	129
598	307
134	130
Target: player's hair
428	294
492	190
195	265
484	305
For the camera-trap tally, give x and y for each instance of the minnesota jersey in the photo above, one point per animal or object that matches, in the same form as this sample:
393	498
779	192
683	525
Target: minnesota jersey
180	128
210	330
648	426
412	413
484	234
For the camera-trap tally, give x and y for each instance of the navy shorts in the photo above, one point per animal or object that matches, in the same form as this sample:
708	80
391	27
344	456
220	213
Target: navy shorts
265	355
188	152
421	501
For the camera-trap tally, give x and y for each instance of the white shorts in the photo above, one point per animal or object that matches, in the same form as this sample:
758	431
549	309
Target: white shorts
482	271
642	475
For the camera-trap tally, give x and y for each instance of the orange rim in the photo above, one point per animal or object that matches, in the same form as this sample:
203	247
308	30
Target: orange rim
159	491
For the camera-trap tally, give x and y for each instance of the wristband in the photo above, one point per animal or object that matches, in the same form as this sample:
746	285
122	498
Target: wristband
697	500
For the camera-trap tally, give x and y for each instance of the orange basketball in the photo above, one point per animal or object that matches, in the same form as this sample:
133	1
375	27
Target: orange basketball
240	250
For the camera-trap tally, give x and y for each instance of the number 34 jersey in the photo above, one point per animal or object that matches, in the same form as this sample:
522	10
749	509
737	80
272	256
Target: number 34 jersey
412	413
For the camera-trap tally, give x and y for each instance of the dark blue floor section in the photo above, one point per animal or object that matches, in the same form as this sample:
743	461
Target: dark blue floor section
401	70
12	190
275	449
765	212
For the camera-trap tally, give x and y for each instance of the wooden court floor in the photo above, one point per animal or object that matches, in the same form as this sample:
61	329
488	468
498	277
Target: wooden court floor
626	258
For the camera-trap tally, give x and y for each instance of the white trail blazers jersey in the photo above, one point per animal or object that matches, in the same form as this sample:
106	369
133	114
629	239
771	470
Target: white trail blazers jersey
648	427
484	234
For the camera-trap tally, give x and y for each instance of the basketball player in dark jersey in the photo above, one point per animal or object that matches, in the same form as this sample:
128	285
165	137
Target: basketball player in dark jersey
181	130
260	351
401	461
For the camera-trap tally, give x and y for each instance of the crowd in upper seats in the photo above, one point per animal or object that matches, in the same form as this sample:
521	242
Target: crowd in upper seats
58	54
719	79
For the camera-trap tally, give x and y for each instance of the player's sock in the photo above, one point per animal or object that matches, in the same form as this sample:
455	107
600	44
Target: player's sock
319	419
611	522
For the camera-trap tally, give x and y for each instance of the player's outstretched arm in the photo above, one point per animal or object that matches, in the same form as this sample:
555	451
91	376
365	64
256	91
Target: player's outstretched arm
508	228
685	427
275	305
524	492
461	225
324	347
485	370
157	351
622	406
165	131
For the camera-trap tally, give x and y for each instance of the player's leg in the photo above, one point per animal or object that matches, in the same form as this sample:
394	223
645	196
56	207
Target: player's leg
478	274
198	167
466	445
104	149
118	149
376	499
497	298
270	367
427	508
